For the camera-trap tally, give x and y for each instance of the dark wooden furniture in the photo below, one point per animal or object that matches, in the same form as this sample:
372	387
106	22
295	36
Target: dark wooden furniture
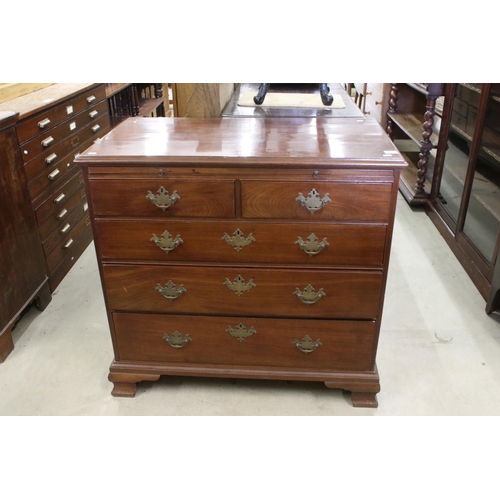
55	123
412	126
464	201
233	110
23	278
244	248
326	97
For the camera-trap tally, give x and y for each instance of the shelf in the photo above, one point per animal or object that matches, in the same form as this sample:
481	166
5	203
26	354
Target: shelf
408	181
412	125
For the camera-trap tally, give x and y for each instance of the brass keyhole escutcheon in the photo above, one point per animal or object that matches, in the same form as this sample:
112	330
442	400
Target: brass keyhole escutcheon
239	285
312	246
238	239
240	332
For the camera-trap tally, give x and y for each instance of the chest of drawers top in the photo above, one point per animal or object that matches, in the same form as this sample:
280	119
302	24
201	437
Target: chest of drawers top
297	142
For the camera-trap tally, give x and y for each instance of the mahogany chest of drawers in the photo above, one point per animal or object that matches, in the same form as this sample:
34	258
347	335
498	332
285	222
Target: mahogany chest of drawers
242	247
55	123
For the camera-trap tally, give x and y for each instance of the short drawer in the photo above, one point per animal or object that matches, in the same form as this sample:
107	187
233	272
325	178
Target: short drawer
471	121
316	200
57	220
46	142
163	198
459	121
56	203
248	341
49	118
374	98
301	243
71	238
243	291
460	107
52	157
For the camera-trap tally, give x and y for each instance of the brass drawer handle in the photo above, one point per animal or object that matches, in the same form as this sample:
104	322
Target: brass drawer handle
240	332
162	199
47	142
312	246
176	340
238	240
93	114
313	202
59	199
53	174
62	214
166	242
51	159
68	244
309	296
95	128
65	229
169	291
44	123
306	344
91	99
239	285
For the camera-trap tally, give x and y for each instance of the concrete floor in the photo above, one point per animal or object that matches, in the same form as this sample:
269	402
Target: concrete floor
438	353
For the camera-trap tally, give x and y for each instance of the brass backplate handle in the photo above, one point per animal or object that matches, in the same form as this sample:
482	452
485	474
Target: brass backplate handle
240	332
239	285
177	340
162	199
313	202
238	240
169	291
309	295
312	246
306	344
166	242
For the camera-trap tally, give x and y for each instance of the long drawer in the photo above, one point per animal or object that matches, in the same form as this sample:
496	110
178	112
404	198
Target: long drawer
168	198
243	291
47	119
314	345
231	241
316	200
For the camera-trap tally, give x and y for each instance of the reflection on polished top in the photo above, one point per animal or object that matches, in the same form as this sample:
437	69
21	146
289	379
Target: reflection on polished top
299	140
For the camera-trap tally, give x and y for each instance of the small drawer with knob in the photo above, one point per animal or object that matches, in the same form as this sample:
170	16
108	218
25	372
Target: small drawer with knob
243	290
229	241
49	118
247	341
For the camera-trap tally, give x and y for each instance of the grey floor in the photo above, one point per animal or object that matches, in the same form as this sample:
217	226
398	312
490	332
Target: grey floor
438	353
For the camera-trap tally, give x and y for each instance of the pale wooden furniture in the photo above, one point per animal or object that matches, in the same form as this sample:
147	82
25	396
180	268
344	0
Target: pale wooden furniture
243	247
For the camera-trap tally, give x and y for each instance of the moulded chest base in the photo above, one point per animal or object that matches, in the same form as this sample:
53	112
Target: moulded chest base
363	386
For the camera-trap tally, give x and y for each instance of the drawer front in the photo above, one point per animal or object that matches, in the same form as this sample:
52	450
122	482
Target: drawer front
70	239
334	345
316	200
57	220
230	241
44	144
459	121
377	86
243	291
471	121
50	160
460	107
163	198
374	99
56	203
49	118
61	234
53	177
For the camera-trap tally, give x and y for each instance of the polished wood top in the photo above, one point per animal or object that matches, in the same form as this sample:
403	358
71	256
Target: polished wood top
34	102
270	141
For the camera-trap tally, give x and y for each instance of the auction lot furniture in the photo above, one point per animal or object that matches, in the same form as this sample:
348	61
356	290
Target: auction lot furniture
239	247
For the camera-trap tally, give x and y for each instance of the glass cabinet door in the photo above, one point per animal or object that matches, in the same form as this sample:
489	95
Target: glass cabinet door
482	213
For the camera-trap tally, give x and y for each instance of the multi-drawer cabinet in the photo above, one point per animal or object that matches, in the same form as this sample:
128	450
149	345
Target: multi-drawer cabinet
244	248
55	124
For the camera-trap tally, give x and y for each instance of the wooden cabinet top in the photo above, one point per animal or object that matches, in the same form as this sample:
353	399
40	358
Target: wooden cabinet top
339	142
39	100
